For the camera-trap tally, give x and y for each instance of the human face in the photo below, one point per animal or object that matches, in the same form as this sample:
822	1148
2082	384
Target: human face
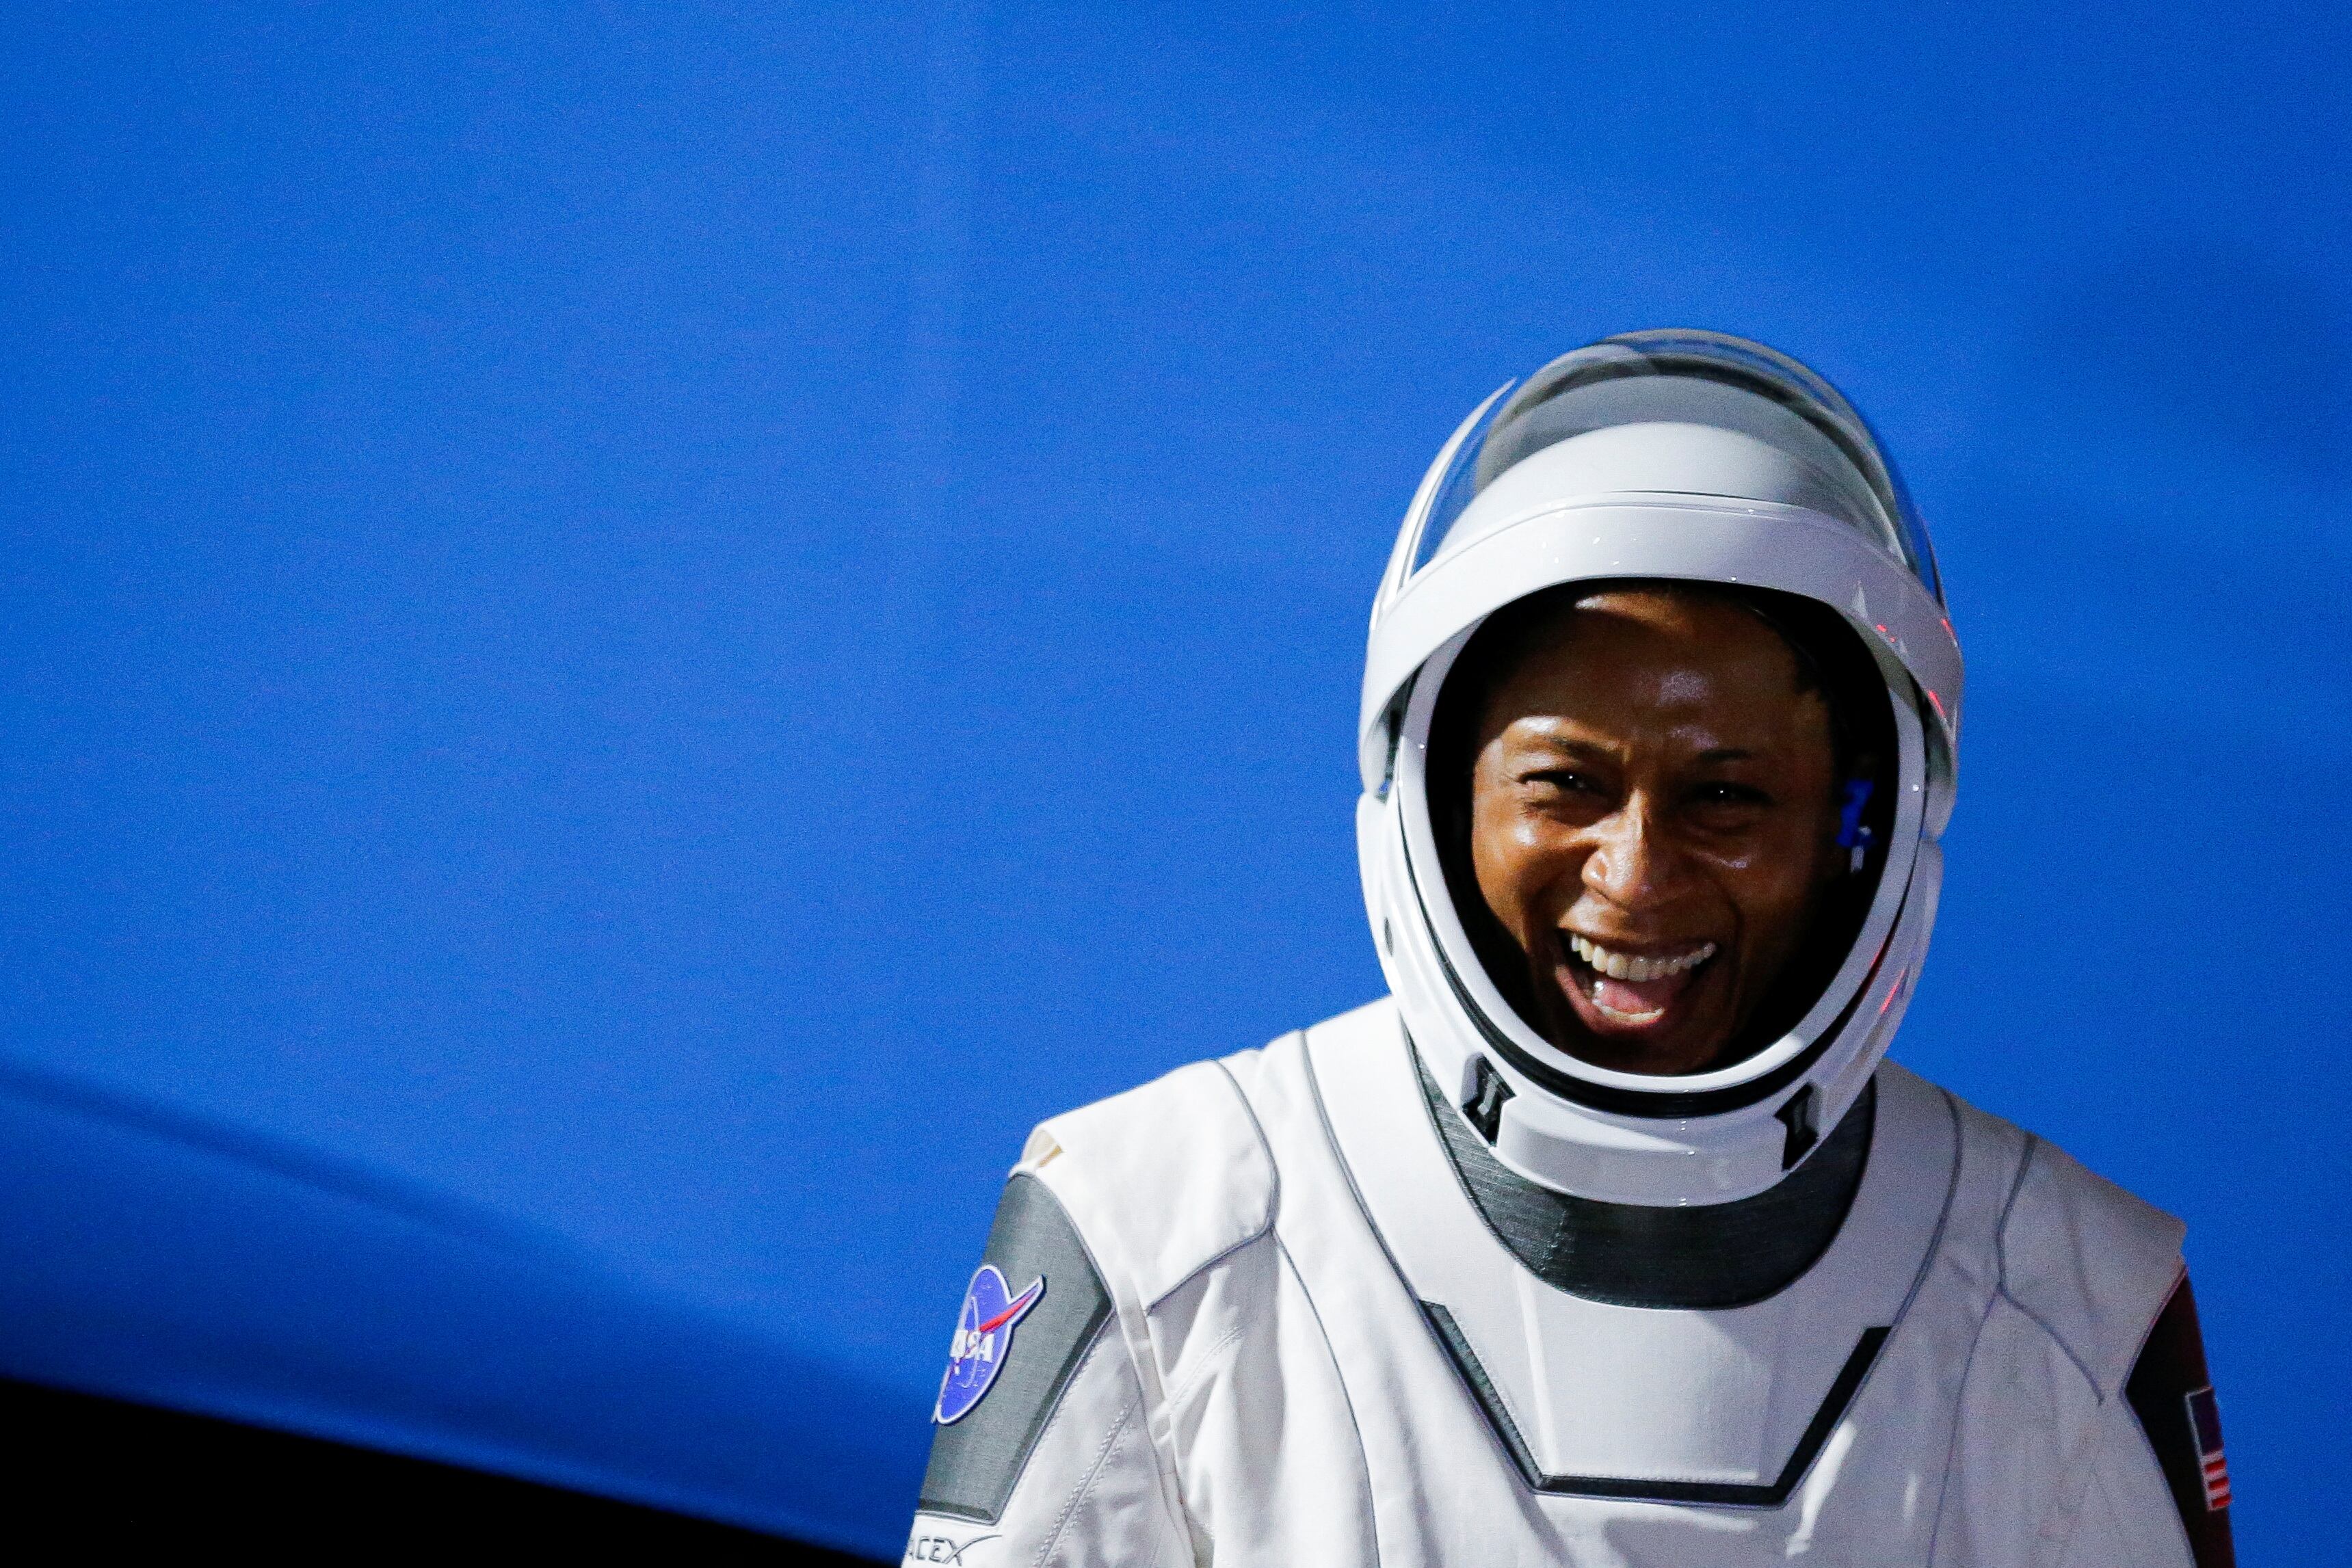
1653	821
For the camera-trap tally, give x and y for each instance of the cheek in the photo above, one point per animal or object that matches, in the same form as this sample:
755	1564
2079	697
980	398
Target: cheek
1514	858
1775	890
1495	855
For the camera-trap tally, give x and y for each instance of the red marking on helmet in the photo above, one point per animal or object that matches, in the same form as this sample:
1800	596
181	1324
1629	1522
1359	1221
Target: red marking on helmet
1894	990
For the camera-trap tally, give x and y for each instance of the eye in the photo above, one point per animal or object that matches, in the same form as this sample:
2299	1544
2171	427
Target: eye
1721	792
1568	781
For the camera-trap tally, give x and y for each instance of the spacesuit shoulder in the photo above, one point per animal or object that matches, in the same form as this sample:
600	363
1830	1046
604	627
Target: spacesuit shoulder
1165	1179
2089	1261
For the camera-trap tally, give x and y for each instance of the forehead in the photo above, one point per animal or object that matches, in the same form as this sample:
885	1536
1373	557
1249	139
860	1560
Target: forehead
1653	655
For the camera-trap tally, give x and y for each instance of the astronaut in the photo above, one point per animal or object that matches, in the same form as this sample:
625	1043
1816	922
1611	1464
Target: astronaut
1610	1236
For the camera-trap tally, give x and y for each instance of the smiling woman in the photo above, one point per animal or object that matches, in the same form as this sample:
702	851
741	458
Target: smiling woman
1611	1238
1645	786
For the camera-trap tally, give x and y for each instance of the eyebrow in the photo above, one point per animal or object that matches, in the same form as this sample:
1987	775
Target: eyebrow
1592	751
1583	748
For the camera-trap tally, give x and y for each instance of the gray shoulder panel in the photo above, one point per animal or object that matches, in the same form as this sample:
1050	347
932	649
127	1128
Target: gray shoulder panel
977	1455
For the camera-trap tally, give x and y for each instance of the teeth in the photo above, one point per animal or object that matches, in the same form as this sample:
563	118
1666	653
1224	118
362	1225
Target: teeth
1624	966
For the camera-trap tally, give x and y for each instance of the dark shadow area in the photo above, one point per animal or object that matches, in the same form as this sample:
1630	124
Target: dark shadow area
93	1473
182	1263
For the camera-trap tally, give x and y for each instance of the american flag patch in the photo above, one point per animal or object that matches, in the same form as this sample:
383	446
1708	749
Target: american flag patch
2205	1426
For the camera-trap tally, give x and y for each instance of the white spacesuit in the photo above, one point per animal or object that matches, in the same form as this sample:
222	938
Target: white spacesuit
1419	1286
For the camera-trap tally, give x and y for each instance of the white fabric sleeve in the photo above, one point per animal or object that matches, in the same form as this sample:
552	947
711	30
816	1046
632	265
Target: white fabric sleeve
1089	1494
1040	1451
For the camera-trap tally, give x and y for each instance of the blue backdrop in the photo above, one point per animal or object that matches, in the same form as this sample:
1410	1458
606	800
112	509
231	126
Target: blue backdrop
671	622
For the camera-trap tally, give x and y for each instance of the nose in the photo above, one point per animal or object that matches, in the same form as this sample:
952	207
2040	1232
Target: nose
1631	864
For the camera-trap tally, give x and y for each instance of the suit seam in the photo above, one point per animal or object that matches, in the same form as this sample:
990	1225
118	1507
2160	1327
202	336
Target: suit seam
2002	1287
1919	1282
1205	1359
1355	1428
2008	1207
1054	1418
2106	1411
1087	1481
1364	1210
1131	1320
1273	1192
1959	1418
1976	1341
1372	1226
1943	1215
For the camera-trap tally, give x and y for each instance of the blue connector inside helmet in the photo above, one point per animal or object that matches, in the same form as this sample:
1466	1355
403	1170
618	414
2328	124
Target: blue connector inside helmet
1852	834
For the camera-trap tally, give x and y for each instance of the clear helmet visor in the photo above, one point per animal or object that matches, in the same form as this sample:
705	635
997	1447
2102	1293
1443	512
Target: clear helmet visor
1684	411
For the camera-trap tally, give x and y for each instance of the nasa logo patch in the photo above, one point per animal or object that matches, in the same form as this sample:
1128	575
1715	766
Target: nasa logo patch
984	1338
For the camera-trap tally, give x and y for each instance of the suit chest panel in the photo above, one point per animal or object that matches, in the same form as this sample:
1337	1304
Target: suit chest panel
1504	1419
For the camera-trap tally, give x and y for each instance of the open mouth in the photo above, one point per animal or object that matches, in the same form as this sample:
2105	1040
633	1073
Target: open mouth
1629	991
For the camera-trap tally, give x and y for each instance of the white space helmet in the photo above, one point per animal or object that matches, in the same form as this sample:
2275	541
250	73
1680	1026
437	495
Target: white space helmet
1667	455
